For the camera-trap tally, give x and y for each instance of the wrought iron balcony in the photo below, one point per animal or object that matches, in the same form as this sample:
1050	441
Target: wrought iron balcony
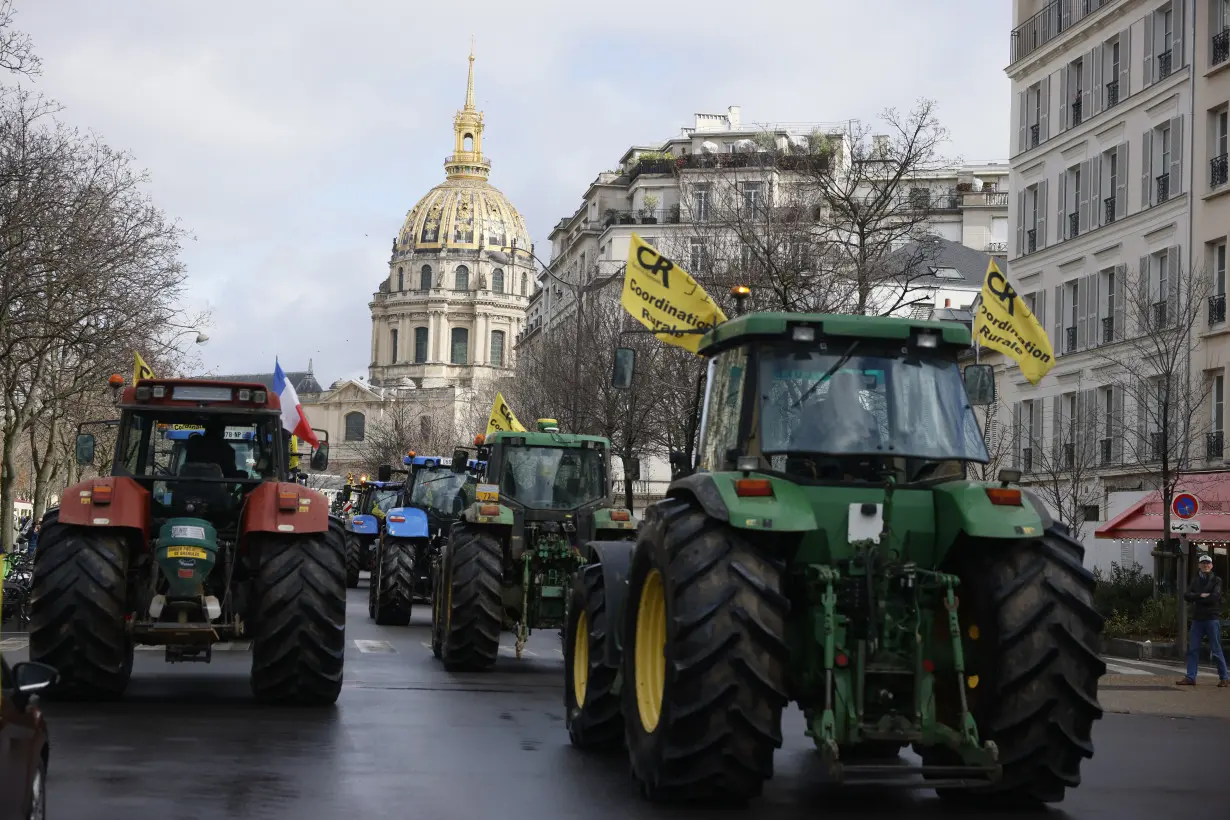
1221	47
1108	329
1076	110
1027	459
1163	188
1107	449
1217	309
1156	446
1164	64
1214	445
1074	225
1031	240
1217	171
1159	314
1109	205
1112	93
1033	136
1069	343
995	248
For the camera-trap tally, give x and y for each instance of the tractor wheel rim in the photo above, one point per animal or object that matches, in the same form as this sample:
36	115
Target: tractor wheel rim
650	653
580	659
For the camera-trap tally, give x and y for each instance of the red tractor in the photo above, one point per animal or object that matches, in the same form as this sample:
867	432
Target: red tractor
199	535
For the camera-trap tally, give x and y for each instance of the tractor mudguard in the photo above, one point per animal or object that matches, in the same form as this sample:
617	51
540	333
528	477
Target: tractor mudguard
365	525
406	522
473	515
965	507
616	560
788	509
111	501
284	507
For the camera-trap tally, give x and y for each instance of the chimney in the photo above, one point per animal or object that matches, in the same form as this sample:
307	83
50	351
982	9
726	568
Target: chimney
732	115
947	303
879	144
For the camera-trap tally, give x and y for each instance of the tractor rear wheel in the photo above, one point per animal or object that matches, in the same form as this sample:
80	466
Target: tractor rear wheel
704	658
299	634
473	605
1033	670
354	560
437	623
77	608
393	582
591	705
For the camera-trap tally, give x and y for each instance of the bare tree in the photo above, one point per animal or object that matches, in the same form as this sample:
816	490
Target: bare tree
999	437
16	48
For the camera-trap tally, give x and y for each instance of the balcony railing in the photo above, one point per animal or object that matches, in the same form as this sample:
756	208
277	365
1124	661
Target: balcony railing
1074	225
1031	240
996	248
1217	309
1156	446
1217	171
1108	329
1163	64
1109	205
665	216
1027	459
1221	47
1076	110
1069	344
1159	314
1163	188
1069	456
1112	93
1047	24
1214	445
1033	136
1107	449
985	199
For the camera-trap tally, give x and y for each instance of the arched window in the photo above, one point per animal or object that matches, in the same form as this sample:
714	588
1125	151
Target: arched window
462	282
425	429
425	278
497	348
356	426
420	345
497	281
524	284
467	142
393	345
461	345
401	278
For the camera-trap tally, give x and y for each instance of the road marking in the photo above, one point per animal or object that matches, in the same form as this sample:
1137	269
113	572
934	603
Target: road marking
511	651
375	647
1158	667
14	644
1116	669
224	646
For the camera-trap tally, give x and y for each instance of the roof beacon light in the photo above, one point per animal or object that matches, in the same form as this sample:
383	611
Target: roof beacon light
928	340
160	391
548	426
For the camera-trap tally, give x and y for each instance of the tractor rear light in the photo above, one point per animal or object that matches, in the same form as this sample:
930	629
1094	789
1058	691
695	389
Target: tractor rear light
842	660
928	666
620	515
143	393
1004	497
245	395
159	392
260	396
489	509
397	519
754	488
102	494
288	501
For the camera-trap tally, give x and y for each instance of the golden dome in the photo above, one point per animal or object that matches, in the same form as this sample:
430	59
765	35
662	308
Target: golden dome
465	211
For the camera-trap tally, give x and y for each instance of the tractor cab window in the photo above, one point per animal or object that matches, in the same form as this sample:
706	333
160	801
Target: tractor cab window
185	446
912	410
378	502
442	490
723	407
552	478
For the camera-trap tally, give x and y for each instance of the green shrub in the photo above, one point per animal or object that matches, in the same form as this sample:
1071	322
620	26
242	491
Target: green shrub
1125	591
1156	620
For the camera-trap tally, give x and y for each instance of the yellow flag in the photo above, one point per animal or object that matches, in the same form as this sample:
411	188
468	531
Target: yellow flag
662	296
502	417
141	370
1005	323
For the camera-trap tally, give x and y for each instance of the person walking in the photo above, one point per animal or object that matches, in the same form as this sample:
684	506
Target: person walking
1204	594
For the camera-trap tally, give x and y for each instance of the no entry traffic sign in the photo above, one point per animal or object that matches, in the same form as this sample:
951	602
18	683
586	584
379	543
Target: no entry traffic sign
1185	505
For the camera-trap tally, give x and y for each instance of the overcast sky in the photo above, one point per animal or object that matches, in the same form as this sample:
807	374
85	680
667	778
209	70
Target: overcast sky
291	138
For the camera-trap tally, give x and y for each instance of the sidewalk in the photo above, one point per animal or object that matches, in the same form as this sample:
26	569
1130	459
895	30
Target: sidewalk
1136	695
1163	668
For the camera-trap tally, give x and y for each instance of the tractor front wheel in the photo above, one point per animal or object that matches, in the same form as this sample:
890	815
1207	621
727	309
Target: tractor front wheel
591	704
393	582
473	605
354	560
1033	670
299	634
77	608
704	658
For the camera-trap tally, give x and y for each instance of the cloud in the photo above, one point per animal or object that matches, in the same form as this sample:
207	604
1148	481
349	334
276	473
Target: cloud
292	138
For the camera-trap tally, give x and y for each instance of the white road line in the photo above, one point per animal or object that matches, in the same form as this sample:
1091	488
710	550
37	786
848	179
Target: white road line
381	647
1157	667
14	644
1116	669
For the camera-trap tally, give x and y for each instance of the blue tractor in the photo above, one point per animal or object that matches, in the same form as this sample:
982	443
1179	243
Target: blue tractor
436	492
363	528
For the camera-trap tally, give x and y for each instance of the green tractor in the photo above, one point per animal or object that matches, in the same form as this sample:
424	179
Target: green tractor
510	559
828	549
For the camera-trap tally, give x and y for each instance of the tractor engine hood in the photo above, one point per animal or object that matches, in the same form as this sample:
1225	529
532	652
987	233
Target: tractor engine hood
186	549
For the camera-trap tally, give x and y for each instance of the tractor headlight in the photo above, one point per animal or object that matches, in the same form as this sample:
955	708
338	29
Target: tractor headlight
928	340
803	334
259	397
160	392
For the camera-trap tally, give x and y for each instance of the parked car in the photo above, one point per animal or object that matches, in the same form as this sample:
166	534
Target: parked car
24	748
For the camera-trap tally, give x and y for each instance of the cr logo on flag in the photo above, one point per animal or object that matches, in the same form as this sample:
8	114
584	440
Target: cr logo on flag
998	285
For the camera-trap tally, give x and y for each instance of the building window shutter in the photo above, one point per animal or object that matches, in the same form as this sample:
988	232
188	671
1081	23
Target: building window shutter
1057	338
1148	57
1176	156
1146	169
1020	223
1044	109
1043	203
1022	138
1096	87
1121	183
1065	100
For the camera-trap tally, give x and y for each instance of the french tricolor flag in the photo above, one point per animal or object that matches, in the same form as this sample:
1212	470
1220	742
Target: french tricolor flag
293	418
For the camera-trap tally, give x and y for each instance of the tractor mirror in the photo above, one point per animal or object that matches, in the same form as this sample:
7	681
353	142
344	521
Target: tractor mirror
384	472
85	449
980	384
625	366
320	458
460	459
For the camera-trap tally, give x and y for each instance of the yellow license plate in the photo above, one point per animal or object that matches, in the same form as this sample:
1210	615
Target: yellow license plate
487	492
187	552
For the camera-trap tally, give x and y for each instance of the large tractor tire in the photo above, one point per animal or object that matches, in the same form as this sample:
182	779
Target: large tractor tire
1036	664
437	622
473	605
77	609
591	704
299	634
354	560
393	582
704	658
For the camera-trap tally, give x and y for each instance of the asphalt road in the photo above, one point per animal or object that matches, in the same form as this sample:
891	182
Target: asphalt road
408	740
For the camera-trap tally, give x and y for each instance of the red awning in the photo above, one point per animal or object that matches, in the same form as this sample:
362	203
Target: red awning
1143	520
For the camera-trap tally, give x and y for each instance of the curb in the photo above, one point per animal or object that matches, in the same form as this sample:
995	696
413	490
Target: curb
1149	651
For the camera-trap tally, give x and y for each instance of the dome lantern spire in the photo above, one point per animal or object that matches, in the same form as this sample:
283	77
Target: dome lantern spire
467	160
